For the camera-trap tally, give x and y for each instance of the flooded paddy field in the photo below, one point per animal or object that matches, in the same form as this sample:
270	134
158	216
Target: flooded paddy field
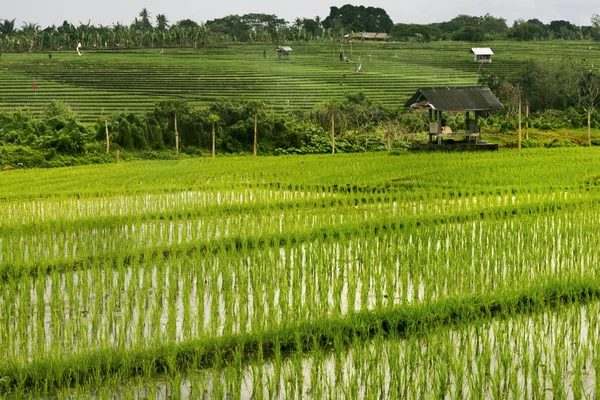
358	282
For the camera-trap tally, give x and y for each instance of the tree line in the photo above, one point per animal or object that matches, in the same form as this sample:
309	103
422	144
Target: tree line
148	31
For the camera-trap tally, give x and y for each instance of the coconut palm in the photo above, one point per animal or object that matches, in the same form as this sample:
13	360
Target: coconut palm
143	24
162	24
7	27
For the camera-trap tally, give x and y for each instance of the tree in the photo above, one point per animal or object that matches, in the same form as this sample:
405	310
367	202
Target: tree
590	93
408	32
161	22
332	107
564	30
255	106
7	27
143	24
526	31
214	119
358	18
469	34
493	27
595	31
514	93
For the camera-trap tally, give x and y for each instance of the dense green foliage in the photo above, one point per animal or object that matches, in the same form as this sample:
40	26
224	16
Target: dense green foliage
349	18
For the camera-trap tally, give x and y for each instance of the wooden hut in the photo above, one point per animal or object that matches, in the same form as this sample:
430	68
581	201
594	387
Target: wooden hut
474	101
482	54
283	52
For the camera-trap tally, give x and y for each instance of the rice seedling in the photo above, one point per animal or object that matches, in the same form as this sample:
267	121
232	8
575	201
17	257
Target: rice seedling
328	276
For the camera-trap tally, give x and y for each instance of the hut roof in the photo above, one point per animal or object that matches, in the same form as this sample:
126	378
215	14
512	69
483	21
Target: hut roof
368	35
284	48
482	51
457	98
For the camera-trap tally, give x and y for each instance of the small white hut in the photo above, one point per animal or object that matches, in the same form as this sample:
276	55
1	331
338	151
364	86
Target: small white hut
482	54
283	52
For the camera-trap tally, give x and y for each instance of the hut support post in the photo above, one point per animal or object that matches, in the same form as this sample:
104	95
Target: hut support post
429	128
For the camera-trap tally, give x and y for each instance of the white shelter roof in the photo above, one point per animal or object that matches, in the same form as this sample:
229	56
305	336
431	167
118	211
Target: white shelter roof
482	51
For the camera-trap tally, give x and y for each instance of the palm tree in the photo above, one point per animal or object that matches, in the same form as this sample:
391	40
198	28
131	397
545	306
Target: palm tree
7	27
161	22
144	24
30	32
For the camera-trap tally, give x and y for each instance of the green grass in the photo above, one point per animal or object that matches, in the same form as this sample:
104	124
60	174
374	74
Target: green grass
111	81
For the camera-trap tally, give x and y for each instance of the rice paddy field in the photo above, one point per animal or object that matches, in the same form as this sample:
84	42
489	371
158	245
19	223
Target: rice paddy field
345	276
102	82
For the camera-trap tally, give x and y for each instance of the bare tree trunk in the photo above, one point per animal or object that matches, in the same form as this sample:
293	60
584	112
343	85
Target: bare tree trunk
589	126
332	134
213	139
176	136
519	122
255	132
107	140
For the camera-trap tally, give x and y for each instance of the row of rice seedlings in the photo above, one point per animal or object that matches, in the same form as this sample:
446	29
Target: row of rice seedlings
76	240
536	170
149	301
547	354
268	179
72	208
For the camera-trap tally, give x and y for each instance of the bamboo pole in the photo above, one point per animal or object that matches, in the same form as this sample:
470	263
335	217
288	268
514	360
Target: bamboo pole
255	132
527	119
389	141
176	135
519	122
589	122
107	139
213	139
332	133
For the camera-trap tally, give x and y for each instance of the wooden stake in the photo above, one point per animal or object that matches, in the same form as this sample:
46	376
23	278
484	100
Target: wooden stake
589	126
176	136
519	122
107	140
527	118
389	136
213	139
332	133
255	132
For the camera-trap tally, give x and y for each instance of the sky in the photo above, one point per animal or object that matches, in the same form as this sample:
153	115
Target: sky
108	12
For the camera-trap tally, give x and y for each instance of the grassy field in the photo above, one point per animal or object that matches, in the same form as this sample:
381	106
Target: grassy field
109	81
357	275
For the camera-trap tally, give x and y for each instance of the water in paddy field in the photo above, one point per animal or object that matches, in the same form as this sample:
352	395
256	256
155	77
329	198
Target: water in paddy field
69	242
206	295
145	304
122	302
552	354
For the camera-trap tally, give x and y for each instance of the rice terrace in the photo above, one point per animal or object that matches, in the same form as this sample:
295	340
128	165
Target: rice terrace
360	271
